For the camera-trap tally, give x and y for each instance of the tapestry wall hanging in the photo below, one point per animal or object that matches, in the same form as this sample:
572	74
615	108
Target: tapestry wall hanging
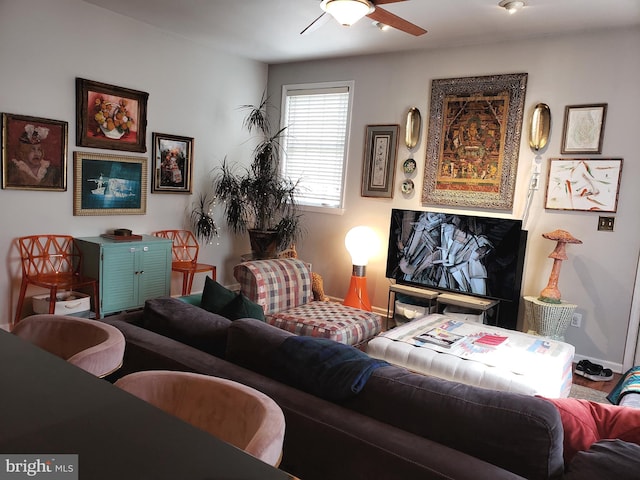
473	141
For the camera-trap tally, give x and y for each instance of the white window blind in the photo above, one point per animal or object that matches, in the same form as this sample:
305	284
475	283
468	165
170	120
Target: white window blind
315	142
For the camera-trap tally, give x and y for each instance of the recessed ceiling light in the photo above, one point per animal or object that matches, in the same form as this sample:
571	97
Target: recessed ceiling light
511	6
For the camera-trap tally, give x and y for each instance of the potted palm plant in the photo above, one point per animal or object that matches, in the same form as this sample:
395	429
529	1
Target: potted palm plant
258	199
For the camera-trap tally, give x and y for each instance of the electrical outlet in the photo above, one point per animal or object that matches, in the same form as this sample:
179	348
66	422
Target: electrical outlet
576	320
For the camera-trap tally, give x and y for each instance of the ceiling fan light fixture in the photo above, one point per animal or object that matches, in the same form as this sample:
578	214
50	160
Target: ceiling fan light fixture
347	12
511	6
382	26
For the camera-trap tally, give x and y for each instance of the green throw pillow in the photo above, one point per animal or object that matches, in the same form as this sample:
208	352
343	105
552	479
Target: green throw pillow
242	307
215	297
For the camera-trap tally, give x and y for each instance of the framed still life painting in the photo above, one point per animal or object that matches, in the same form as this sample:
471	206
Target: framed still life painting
34	153
110	117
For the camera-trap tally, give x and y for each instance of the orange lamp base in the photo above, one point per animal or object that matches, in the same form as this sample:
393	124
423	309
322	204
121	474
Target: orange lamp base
357	295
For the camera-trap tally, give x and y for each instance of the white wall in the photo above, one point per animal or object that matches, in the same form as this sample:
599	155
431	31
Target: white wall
592	68
193	92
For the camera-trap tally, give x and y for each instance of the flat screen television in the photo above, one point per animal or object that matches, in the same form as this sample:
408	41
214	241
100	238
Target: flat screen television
471	255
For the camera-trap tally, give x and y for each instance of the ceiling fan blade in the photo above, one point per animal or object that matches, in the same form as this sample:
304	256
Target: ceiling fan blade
317	23
382	2
388	18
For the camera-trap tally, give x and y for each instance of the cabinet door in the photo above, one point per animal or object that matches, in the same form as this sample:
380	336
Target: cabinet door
154	275
118	279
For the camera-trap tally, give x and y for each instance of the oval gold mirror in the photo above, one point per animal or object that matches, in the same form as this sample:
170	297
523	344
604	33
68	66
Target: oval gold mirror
539	128
412	129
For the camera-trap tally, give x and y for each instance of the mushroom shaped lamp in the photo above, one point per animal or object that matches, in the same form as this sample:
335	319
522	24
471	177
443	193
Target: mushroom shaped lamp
551	293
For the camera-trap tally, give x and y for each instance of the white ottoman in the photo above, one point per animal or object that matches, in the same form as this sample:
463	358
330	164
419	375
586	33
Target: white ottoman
523	363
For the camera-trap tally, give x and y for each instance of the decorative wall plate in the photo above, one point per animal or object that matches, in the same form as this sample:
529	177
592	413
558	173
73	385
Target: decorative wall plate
409	165
407	186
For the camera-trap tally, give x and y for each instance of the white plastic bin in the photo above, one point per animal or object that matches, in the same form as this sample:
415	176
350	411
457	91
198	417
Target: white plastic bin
67	303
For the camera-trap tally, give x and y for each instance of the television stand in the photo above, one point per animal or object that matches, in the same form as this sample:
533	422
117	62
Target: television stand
410	291
459	300
467	301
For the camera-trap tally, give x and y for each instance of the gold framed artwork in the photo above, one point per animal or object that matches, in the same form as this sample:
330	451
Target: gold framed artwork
172	163
110	117
109	184
473	141
584	184
34	153
381	150
583	129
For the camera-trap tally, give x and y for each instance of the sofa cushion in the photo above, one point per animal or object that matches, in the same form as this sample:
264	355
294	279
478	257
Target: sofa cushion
186	323
517	432
606	459
242	307
252	343
214	296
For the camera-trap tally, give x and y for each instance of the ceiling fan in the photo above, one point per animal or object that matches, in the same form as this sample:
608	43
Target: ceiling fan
348	12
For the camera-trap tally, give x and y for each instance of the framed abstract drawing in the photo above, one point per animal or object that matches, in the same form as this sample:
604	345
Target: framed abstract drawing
172	163
583	129
584	184
110	117
34	153
381	149
109	184
473	141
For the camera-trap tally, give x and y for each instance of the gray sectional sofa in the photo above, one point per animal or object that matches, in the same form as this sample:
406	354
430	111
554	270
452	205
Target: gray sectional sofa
401	425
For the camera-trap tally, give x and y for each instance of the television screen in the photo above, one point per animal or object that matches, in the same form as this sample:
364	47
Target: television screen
472	255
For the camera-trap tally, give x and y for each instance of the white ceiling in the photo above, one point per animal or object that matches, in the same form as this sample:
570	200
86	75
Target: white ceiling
269	30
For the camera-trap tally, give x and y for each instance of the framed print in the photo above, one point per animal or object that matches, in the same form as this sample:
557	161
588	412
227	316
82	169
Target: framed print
172	163
110	117
584	184
474	140
583	129
34	153
109	184
381	149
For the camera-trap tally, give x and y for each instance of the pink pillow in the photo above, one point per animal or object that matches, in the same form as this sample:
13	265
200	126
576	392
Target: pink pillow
586	422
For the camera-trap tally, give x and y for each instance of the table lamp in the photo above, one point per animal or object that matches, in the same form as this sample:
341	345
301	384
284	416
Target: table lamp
362	243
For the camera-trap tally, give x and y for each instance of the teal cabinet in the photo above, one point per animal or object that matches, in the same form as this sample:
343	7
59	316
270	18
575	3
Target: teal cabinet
128	272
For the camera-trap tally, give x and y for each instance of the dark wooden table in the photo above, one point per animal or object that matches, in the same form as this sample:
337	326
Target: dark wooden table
48	406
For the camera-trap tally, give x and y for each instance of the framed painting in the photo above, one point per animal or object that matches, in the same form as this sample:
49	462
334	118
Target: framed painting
34	153
381	149
172	163
583	129
473	141
110	117
584	184
109	184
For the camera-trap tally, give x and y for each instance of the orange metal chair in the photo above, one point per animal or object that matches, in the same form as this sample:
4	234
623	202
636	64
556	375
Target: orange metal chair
53	262
185	257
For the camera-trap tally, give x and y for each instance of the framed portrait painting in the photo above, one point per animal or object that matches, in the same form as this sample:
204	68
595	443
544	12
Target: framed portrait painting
584	184
583	129
378	172
172	163
473	141
110	117
34	153
109	184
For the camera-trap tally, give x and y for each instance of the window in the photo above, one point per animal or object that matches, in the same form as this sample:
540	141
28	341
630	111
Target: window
315	142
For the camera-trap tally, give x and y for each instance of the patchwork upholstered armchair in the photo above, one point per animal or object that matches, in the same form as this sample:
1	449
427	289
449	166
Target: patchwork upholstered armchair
283	288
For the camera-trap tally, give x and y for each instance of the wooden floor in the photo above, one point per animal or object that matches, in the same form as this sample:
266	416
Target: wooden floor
601	386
